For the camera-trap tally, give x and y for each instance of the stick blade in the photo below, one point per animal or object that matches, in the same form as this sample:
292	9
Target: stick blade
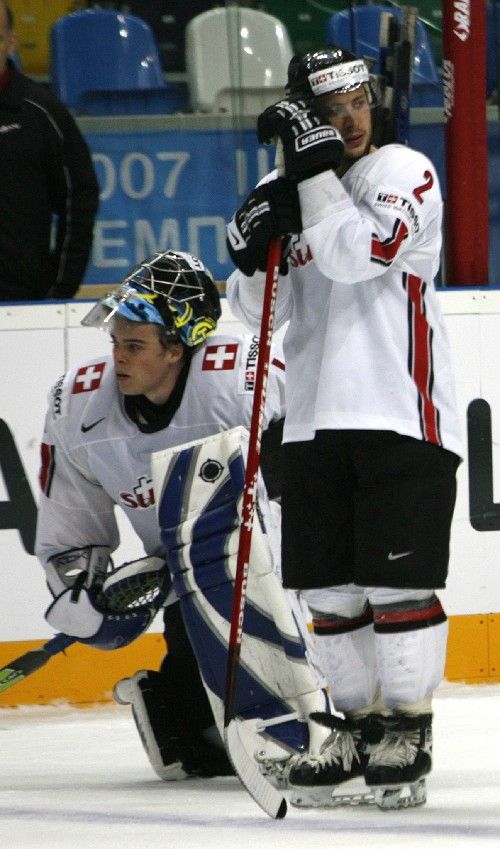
267	797
18	669
9	676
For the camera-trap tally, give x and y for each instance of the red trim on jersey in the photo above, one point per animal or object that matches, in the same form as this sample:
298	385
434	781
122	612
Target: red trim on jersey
384	252
48	463
278	363
420	363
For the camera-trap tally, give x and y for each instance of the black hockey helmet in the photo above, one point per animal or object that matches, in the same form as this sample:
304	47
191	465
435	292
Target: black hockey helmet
172	289
328	69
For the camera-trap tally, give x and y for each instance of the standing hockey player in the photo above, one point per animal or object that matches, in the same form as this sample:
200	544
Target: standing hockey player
164	385
371	438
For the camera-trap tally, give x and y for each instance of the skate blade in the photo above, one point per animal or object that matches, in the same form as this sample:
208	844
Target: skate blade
351	794
403	796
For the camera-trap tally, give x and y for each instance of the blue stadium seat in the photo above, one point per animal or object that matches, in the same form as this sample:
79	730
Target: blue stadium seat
426	83
105	62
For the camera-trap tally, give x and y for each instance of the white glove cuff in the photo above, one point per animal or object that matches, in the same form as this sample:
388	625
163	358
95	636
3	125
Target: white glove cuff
62	570
76	618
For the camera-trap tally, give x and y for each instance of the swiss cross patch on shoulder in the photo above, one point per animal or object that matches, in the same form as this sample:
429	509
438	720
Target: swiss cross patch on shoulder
220	357
88	378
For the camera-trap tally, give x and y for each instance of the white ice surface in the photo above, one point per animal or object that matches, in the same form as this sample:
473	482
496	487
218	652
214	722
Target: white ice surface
73	778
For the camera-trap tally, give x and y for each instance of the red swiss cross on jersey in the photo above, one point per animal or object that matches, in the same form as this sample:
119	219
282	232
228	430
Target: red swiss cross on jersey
88	378
219	357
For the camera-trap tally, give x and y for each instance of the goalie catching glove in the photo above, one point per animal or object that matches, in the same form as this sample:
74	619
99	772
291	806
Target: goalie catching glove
308	144
272	209
106	611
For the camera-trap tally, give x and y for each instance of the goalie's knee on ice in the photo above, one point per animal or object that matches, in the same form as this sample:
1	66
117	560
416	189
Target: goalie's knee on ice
176	748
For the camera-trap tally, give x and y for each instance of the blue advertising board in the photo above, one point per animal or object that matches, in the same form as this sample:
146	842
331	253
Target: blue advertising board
177	188
169	189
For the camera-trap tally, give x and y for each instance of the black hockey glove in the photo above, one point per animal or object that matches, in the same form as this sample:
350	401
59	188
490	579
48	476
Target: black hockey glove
272	209
310	145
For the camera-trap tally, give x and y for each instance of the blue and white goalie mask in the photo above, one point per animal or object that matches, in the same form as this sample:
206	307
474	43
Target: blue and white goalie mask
172	289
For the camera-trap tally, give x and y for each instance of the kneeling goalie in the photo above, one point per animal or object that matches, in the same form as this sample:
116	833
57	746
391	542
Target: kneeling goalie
166	385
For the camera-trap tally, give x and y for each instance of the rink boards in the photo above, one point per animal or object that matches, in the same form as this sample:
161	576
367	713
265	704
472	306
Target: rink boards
38	343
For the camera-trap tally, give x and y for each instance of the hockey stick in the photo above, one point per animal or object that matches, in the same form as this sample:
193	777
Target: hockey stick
140	584
269	799
23	666
403	61
353	25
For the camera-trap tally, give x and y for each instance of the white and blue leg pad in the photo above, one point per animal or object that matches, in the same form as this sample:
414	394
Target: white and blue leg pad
199	490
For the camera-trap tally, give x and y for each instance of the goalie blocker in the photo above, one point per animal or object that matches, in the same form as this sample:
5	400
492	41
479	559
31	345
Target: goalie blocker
199	488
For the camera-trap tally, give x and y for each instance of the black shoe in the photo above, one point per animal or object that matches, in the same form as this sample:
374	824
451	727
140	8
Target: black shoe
342	757
175	750
397	766
159	739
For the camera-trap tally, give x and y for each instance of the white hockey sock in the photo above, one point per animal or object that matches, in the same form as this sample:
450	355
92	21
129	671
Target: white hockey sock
348	660
411	656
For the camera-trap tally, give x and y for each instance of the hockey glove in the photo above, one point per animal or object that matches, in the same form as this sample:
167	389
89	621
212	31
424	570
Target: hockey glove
113	612
272	209
310	145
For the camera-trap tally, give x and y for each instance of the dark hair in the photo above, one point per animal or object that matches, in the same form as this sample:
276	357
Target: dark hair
164	339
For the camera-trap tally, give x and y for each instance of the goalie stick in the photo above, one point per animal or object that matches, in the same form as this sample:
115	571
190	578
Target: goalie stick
124	591
269	799
23	666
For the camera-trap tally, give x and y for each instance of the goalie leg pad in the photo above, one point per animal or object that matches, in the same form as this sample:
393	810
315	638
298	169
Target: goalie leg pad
172	712
174	751
200	486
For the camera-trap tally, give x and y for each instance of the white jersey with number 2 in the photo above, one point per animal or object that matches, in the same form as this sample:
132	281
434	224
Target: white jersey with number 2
366	346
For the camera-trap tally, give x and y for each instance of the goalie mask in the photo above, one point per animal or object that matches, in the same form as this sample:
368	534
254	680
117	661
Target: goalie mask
328	70
172	289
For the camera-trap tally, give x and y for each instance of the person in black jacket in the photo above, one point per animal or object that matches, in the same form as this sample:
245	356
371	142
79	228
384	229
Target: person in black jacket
46	176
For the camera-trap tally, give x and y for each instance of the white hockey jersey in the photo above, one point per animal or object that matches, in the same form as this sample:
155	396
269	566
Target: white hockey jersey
366	347
94	456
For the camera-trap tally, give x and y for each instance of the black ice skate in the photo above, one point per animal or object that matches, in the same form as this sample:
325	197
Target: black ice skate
143	693
174	752
397	766
314	781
